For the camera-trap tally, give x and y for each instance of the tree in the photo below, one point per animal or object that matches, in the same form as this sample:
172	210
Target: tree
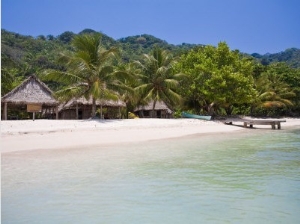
50	37
289	75
274	92
131	81
66	37
7	80
158	80
90	71
219	77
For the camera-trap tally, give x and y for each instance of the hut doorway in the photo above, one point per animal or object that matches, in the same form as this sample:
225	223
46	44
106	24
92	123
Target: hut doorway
158	114
80	114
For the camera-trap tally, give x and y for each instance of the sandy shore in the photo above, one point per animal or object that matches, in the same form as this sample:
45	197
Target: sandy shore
20	135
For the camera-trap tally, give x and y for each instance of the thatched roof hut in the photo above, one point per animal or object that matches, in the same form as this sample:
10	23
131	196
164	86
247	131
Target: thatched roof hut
161	110
31	92
81	108
84	101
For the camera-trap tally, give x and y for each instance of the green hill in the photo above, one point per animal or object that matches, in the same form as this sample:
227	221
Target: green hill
291	56
24	55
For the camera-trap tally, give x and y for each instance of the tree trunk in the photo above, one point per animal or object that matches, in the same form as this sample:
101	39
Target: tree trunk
210	109
77	110
94	107
5	111
56	112
229	110
154	102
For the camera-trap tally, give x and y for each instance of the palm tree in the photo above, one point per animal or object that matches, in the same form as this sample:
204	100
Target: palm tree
90	72
158	81
128	95
273	92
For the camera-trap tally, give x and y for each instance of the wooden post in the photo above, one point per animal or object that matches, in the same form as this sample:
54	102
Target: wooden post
273	125
5	111
56	112
279	125
33	115
77	116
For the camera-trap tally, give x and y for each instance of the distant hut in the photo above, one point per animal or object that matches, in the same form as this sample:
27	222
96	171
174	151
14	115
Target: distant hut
32	95
161	110
81	108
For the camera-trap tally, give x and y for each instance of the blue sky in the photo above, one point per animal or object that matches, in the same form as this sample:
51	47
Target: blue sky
261	26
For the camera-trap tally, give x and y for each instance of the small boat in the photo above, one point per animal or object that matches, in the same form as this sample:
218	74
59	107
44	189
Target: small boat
195	116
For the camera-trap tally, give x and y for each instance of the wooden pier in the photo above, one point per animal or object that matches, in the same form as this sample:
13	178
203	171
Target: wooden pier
251	122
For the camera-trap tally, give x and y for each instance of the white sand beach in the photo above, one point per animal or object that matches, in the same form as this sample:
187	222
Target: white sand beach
20	135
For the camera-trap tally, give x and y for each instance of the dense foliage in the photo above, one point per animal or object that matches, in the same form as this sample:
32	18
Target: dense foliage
290	56
137	69
158	80
219	79
90	72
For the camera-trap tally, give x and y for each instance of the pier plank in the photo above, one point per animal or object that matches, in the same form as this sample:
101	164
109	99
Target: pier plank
252	122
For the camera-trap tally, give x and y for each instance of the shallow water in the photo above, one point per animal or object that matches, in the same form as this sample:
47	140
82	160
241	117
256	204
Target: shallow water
247	177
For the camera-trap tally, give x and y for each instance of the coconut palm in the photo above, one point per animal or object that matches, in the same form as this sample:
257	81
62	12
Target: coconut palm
90	72
273	92
158	81
128	95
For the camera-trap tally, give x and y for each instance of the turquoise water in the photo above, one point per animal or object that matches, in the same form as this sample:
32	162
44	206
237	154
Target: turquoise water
247	177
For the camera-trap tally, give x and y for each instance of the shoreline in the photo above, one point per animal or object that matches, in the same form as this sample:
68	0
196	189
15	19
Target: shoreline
24	135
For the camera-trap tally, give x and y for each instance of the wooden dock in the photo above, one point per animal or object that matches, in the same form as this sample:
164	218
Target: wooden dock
251	122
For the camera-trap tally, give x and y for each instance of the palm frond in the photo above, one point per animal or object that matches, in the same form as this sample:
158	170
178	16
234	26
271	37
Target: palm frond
287	102
171	83
105	55
69	92
105	71
61	77
288	95
273	104
267	95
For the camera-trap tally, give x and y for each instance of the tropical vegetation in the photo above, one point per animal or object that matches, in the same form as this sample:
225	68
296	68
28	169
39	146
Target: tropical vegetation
158	80
212	80
89	72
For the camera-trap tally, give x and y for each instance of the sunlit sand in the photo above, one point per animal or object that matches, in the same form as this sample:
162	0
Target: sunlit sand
20	135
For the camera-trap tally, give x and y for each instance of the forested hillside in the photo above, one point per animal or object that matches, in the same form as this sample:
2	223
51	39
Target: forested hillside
31	54
290	56
25	55
201	79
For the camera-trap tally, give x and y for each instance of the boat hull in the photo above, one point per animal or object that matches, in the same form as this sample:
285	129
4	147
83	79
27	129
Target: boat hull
195	116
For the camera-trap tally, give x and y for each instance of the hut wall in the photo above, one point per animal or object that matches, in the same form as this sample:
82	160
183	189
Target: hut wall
86	113
67	114
153	114
156	114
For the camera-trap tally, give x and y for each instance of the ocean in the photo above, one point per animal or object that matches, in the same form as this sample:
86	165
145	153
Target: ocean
250	176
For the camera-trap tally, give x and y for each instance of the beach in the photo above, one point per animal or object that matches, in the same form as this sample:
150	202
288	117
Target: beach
149	171
20	135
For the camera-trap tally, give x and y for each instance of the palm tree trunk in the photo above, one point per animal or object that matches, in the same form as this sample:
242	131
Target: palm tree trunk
154	102
94	107
210	108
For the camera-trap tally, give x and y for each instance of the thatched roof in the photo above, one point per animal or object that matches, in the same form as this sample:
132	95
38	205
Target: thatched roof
31	91
160	105
83	101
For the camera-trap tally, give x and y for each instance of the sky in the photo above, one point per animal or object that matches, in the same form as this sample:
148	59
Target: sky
251	26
